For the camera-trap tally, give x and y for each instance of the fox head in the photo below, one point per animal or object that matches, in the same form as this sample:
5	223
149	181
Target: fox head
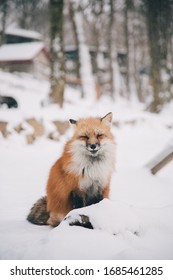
92	136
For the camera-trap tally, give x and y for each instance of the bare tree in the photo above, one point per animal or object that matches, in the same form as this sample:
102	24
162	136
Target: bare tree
4	9
57	76
115	76
131	42
126	9
154	46
95	19
78	64
86	70
159	23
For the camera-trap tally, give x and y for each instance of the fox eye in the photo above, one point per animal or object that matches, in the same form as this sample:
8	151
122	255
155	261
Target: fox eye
100	135
83	137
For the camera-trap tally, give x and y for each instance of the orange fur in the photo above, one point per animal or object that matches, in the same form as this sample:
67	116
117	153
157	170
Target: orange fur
59	187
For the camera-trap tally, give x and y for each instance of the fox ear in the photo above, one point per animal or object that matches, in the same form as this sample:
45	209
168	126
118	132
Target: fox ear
107	119
72	121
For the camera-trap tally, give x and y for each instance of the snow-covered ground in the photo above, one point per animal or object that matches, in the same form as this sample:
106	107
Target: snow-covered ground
136	223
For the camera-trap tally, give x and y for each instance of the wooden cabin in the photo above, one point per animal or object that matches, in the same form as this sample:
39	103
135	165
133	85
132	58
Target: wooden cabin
30	57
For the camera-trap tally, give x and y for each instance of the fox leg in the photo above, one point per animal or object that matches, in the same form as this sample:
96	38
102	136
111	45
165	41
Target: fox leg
77	199
83	199
59	204
55	219
93	199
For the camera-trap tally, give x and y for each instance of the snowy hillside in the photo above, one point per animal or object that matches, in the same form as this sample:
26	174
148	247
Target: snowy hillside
137	221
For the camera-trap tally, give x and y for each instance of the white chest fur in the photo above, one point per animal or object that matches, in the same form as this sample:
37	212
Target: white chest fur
94	172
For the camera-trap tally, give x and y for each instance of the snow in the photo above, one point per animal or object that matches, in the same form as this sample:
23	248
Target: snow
23	33
16	52
135	223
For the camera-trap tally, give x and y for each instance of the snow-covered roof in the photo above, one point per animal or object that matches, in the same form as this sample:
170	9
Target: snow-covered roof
20	52
23	33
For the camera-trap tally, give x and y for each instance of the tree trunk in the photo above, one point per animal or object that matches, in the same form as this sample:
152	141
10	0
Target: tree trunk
110	48
57	75
115	76
4	7
99	63
155	54
86	72
78	64
131	52
127	48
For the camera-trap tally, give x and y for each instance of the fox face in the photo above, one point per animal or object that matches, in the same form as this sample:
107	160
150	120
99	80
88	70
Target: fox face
91	141
92	136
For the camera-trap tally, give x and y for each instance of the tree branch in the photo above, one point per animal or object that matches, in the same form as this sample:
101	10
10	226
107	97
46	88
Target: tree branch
161	160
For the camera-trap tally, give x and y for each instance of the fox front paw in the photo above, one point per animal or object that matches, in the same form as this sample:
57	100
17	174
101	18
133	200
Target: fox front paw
79	220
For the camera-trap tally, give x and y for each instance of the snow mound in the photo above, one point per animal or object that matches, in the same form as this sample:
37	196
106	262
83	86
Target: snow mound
113	217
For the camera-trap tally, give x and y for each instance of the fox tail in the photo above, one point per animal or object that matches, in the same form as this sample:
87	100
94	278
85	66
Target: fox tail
38	214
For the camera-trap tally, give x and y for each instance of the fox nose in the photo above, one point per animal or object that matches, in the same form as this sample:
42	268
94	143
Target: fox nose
93	146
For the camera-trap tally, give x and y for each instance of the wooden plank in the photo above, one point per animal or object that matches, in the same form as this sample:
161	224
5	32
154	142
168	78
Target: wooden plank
161	160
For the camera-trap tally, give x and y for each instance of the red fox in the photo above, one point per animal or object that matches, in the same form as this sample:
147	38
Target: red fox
81	176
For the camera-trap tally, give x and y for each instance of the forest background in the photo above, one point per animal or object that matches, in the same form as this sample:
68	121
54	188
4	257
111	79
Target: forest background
129	43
